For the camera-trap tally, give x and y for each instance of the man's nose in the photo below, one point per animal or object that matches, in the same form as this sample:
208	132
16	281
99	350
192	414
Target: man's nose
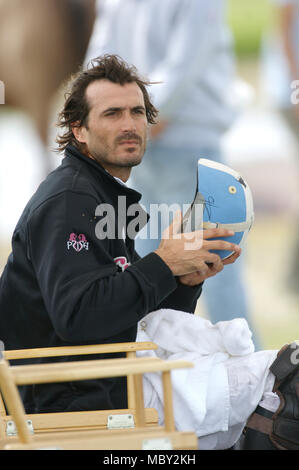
128	123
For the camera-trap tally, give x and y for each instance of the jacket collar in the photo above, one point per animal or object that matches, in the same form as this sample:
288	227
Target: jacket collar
108	183
119	188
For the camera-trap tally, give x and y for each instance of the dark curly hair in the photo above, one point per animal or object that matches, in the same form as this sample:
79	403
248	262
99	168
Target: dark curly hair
76	107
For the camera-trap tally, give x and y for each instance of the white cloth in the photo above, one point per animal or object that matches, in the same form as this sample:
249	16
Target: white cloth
215	397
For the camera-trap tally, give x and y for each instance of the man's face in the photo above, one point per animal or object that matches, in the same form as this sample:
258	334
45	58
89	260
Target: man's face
116	129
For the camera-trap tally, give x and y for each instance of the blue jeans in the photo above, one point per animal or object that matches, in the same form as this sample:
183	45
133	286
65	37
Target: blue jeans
170	176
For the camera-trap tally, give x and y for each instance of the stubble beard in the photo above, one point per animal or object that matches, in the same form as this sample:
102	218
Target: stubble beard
106	155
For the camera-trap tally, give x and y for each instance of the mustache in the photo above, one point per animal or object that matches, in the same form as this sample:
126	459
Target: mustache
128	136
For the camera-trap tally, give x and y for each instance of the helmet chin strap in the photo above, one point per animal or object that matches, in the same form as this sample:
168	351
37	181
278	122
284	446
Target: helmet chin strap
236	227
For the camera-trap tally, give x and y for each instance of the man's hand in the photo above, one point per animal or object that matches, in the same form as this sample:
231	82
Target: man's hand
188	254
194	279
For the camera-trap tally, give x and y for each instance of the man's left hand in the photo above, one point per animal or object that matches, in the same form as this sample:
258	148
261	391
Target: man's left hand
194	279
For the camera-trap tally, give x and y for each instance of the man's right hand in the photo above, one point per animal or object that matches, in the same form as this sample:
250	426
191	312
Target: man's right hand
186	253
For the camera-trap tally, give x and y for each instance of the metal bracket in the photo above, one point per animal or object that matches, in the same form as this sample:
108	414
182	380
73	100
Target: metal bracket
120	421
157	444
11	429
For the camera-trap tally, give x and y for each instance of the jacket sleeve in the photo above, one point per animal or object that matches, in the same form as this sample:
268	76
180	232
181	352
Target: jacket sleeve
86	297
183	298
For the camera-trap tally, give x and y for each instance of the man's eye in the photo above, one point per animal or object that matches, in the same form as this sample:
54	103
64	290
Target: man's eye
138	111
112	112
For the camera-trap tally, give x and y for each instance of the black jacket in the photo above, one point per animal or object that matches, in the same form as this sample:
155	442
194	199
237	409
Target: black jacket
62	285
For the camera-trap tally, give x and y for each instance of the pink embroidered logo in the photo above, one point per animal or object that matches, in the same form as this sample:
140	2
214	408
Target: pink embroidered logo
122	262
78	242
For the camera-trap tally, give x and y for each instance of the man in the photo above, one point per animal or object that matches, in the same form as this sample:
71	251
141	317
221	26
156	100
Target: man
185	46
65	282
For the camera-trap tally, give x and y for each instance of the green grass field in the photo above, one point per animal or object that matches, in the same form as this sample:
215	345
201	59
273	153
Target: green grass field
248	20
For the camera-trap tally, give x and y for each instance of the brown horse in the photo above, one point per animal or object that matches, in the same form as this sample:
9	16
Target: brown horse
41	43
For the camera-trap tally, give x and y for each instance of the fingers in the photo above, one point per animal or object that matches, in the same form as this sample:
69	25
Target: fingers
209	233
174	227
202	236
232	258
209	268
186	253
207	265
216	233
220	245
214	262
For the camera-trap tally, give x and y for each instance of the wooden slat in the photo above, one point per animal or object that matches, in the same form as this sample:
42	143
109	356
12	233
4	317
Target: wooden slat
129	348
130	383
131	439
139	400
78	350
13	401
79	420
93	367
74	365
65	372
89	438
2	408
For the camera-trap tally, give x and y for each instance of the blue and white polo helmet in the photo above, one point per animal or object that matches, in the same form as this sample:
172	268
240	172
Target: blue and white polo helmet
223	199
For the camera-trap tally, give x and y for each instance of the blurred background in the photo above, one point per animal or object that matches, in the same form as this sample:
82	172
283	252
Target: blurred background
264	150
260	146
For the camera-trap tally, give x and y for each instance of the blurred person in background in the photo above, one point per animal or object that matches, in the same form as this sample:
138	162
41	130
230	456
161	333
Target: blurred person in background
289	28
185	46
280	71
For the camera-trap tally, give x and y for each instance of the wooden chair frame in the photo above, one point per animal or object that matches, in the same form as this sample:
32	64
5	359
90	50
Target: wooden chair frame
12	376
98	419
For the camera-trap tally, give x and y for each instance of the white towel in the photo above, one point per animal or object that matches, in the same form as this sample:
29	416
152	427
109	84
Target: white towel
176	331
180	335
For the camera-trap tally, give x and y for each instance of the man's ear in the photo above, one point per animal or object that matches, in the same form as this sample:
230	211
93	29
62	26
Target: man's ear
79	132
